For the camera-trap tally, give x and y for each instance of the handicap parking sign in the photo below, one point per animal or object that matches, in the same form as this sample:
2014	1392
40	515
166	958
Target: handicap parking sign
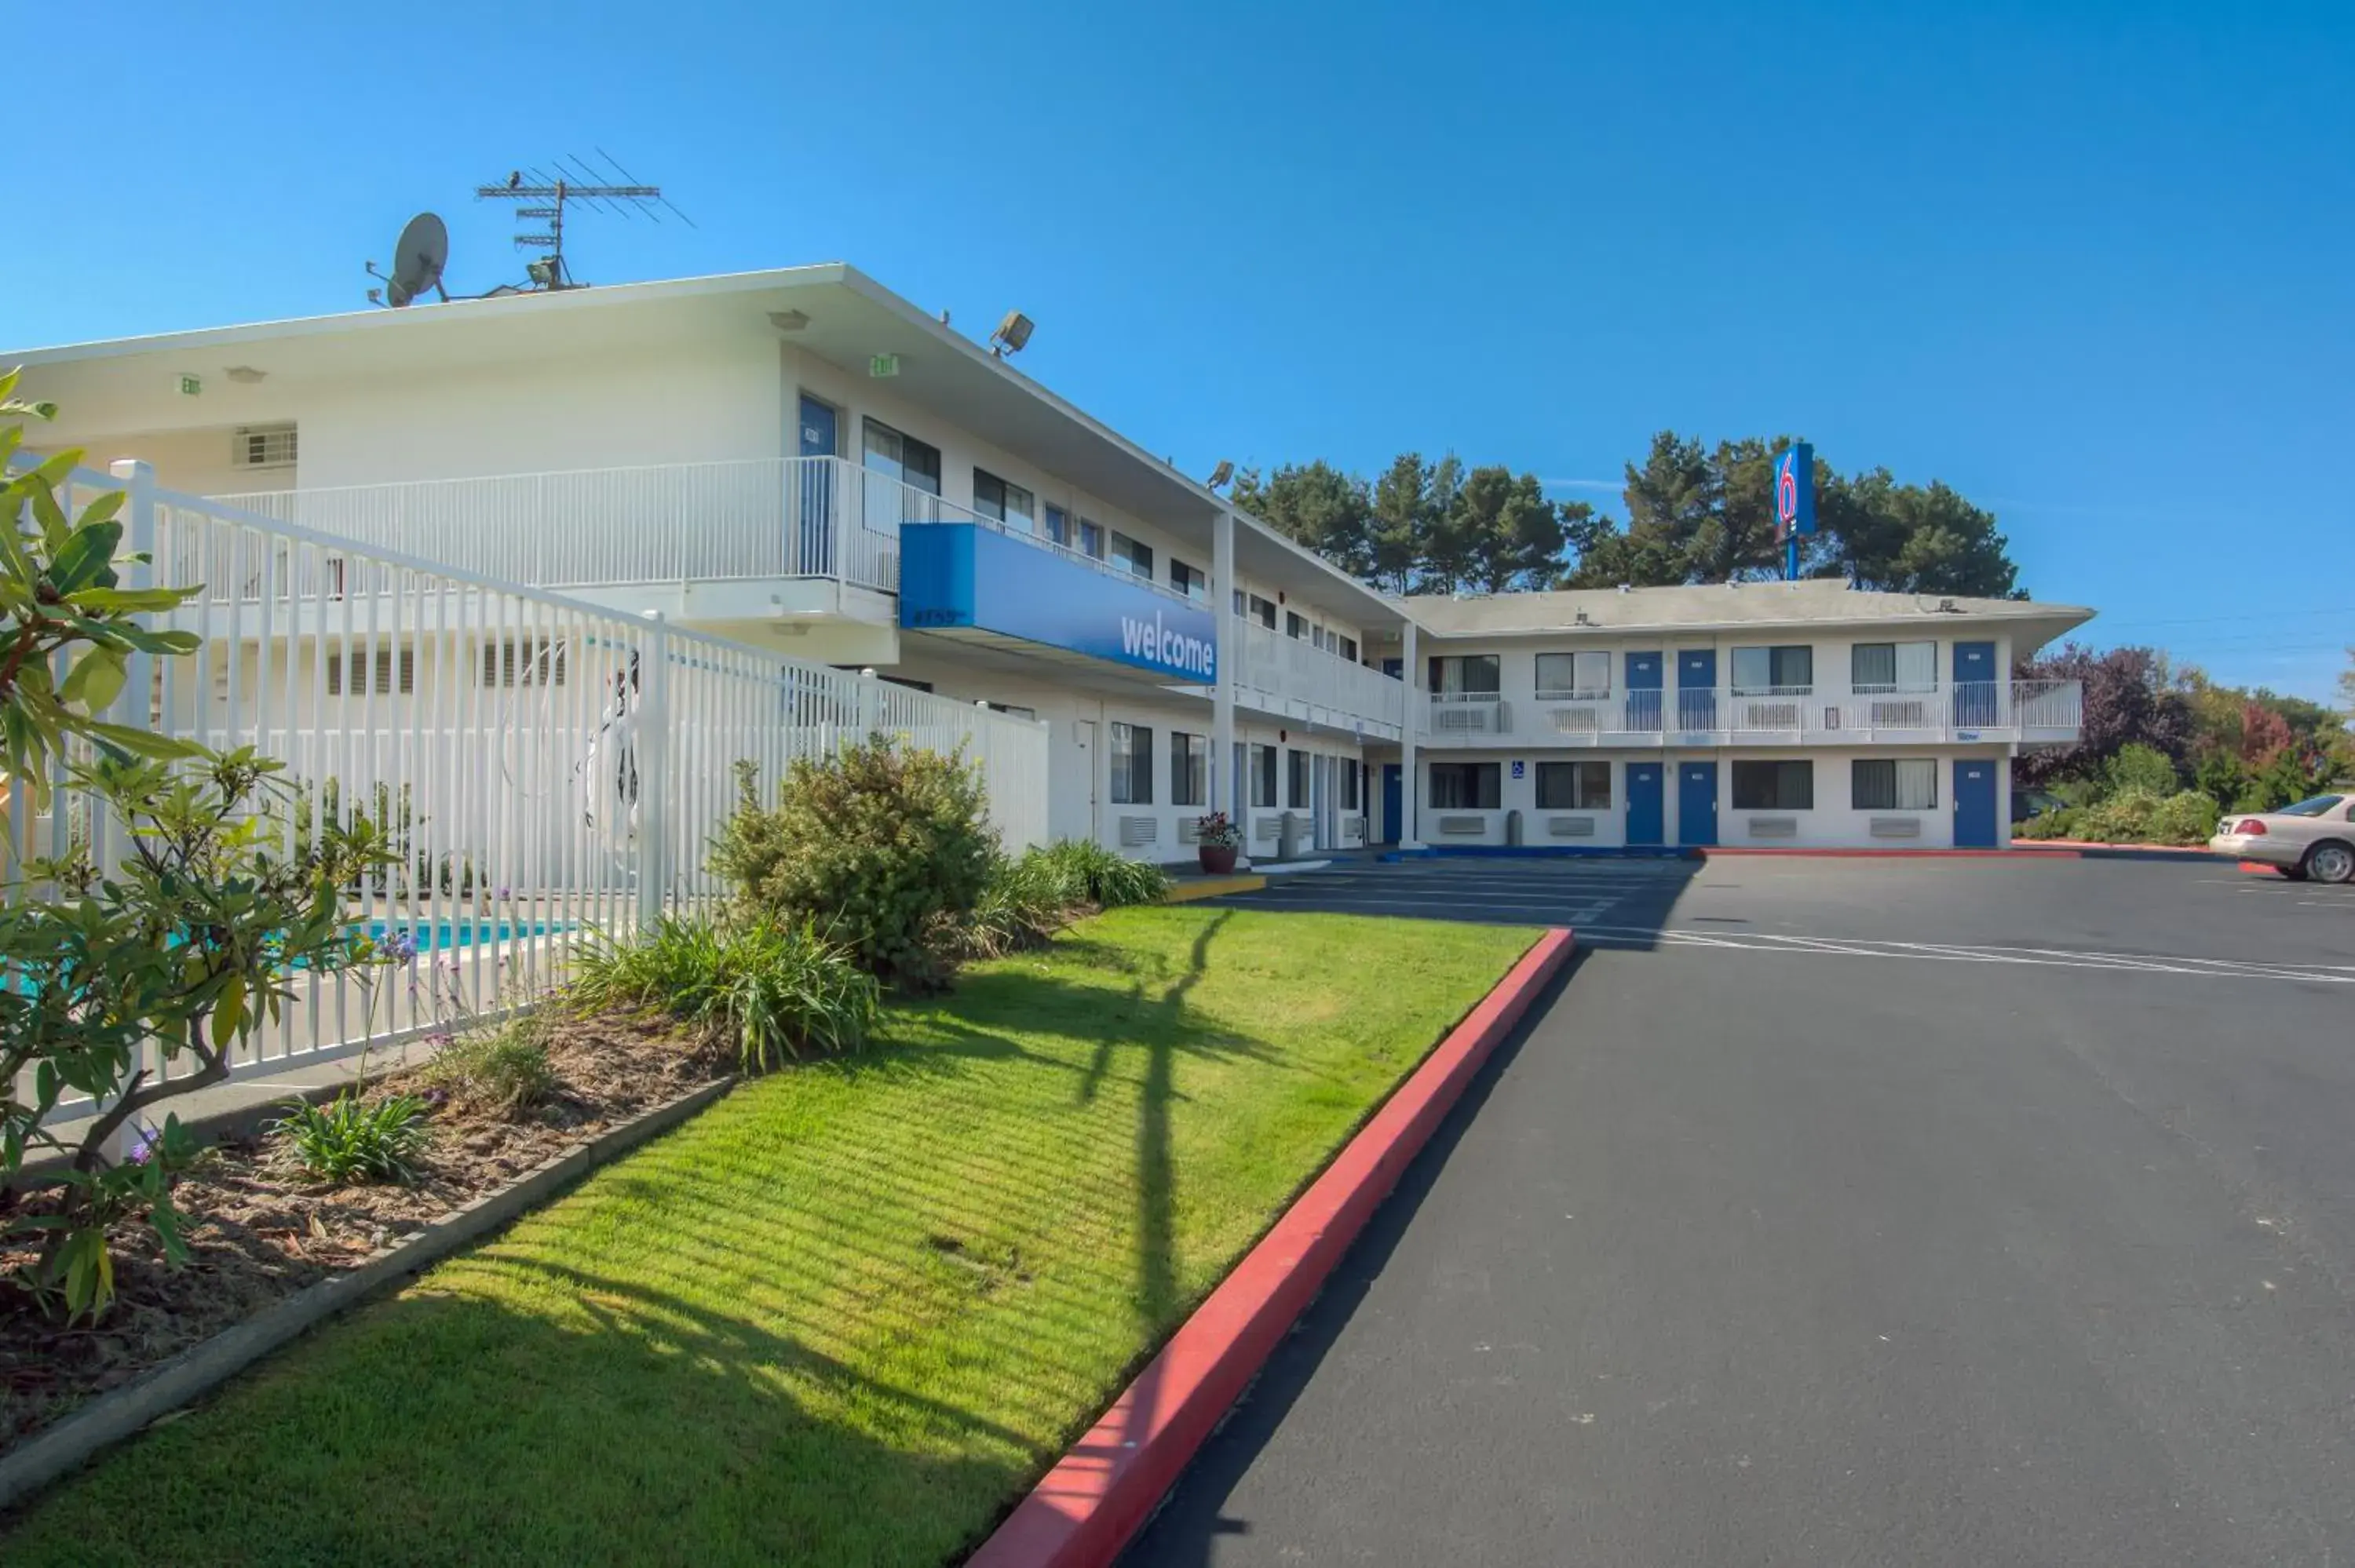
1516	768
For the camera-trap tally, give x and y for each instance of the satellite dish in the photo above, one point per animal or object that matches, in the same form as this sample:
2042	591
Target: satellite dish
418	260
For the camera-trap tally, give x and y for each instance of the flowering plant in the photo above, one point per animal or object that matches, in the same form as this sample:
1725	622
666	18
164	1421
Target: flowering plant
1217	830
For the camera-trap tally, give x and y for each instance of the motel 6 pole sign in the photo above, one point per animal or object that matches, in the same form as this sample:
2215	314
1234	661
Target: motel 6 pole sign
1794	501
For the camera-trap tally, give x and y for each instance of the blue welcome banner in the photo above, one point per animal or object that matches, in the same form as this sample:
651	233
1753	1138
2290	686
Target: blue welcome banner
960	575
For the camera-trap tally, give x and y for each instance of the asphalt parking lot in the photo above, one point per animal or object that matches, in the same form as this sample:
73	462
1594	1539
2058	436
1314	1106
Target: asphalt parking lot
1872	1211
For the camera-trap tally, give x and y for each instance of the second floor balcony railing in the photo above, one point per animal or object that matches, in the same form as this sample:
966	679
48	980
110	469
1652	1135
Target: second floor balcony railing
1968	710
1292	675
752	518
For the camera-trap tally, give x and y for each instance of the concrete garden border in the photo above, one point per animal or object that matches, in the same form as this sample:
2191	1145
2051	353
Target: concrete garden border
124	1411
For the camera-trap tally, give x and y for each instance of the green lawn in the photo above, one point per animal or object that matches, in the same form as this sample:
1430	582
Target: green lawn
845	1316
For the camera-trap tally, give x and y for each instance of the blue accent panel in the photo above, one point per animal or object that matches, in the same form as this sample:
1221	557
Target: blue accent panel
936	575
962	575
1644	673
1697	804
1975	803
1646	812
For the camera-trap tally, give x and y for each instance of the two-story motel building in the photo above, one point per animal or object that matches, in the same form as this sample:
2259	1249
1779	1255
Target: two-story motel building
804	461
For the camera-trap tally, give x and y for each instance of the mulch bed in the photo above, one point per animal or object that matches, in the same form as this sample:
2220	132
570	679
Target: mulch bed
258	1230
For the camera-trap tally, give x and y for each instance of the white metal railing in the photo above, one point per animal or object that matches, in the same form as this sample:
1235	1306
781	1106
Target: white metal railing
666	522
1292	675
550	766
1467	712
1995	710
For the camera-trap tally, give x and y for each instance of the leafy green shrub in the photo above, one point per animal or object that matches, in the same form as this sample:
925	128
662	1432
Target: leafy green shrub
1104	878
776	991
885	847
501	1071
1026	901
1030	897
2186	817
349	1139
2142	769
2125	818
2065	823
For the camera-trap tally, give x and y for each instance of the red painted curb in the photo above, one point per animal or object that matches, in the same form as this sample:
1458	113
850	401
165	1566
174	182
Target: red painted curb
1094	1498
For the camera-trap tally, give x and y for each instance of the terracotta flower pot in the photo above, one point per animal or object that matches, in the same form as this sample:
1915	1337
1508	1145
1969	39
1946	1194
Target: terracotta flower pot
1217	859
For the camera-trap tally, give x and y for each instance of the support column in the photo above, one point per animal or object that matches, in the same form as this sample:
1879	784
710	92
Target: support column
1410	786
1224	778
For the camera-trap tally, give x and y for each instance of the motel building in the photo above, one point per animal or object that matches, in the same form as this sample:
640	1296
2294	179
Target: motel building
803	462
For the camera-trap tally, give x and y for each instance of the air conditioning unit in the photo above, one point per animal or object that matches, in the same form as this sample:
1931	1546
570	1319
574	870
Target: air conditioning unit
1137	831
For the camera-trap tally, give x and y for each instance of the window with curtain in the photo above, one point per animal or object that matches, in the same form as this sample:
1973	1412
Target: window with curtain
1574	786
902	457
1466	674
1263	611
1190	769
1876	667
1295	783
1293	626
1574	674
1058	524
1262	775
1774	786
1191	581
1773	672
993	497
1132	765
1346	646
1894	783
1466	786
1091	540
1133	554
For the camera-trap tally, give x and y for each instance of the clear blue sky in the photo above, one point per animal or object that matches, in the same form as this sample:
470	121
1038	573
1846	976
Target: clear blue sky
2089	263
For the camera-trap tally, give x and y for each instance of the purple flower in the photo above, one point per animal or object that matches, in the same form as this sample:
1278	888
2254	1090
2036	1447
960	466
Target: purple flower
145	1143
401	946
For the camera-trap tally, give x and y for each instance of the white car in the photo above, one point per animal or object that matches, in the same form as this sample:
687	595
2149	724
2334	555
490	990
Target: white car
2312	840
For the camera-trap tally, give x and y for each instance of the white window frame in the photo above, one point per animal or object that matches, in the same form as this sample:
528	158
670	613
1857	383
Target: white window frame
1590	676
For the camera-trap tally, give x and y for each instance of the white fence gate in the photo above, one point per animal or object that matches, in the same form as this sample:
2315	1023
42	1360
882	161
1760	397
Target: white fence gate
551	767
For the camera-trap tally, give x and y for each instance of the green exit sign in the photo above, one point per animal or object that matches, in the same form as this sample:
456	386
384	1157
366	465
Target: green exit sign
883	365
190	387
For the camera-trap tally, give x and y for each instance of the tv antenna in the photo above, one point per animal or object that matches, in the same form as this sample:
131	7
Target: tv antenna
572	180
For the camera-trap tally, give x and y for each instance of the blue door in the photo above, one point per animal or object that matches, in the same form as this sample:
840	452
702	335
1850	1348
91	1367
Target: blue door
1644	692
1696	689
1975	704
1394	802
817	440
1645	817
1697	803
1975	803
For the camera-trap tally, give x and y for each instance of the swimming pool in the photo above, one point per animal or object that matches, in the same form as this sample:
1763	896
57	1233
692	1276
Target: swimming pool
444	935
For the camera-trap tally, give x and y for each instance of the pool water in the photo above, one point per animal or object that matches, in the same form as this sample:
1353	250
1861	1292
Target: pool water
442	935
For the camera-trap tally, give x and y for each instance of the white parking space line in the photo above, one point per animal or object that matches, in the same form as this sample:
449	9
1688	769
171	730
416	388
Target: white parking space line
1938	952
